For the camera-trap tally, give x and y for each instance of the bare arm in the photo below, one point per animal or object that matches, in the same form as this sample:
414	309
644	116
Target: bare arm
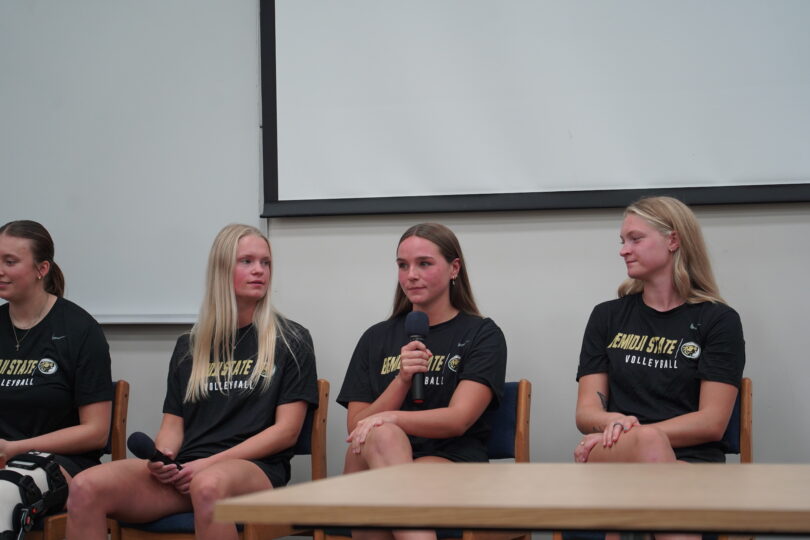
469	401
170	435
708	423
413	359
592	415
91	433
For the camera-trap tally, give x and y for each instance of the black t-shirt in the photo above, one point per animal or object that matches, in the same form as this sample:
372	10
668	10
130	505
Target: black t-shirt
232	413
63	363
466	347
656	360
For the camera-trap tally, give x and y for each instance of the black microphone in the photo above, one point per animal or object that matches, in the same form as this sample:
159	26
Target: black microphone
417	328
143	446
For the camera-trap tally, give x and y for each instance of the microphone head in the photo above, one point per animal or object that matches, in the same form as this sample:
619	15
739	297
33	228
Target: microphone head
416	323
141	445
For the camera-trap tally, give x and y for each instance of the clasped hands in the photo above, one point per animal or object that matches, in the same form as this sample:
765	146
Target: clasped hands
613	430
169	474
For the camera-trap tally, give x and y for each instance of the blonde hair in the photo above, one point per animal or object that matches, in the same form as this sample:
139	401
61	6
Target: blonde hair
461	295
692	271
213	336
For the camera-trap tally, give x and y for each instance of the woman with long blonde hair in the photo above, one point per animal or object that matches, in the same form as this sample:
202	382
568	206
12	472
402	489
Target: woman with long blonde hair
661	365
238	389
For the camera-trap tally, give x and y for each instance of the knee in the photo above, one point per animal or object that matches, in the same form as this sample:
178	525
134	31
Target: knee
652	445
205	489
385	439
84	493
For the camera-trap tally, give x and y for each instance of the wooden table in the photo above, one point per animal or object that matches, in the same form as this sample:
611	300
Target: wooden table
751	498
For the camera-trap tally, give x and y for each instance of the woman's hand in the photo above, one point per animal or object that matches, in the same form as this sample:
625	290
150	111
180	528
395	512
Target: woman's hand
358	435
182	482
583	449
617	425
165	474
413	358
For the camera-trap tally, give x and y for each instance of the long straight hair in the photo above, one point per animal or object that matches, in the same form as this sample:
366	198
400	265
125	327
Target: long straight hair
41	248
692	273
461	296
213	336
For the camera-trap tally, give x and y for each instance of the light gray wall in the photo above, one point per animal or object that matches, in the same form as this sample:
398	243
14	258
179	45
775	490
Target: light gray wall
537	274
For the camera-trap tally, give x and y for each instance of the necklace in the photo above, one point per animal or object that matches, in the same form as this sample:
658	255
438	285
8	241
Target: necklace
36	321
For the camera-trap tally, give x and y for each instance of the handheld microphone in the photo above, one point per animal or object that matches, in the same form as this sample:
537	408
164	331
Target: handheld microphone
143	446
417	328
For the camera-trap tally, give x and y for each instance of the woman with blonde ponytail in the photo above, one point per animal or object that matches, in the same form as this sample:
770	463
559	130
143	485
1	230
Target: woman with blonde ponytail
238	390
661	365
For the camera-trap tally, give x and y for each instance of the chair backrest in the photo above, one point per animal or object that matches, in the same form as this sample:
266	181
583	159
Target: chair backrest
312	440
738	435
509	436
116	443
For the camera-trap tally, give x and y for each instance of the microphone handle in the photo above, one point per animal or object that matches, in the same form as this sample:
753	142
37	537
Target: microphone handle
418	381
166	460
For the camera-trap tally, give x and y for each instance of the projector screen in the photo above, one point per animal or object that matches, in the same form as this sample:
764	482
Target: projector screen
385	105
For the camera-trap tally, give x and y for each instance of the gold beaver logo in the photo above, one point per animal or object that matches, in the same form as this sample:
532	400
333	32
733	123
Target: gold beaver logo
453	363
690	350
47	366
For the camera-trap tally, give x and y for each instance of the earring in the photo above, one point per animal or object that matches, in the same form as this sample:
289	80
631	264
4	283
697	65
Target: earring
452	282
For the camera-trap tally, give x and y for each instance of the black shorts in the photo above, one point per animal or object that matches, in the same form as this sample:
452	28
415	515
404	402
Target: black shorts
73	465
277	473
701	454
458	449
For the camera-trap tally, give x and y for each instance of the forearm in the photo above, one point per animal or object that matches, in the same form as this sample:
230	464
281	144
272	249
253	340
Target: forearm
594	419
71	440
691	429
268	442
390	400
441	423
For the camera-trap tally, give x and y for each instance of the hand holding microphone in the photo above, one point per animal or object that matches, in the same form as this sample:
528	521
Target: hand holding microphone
417	328
143	446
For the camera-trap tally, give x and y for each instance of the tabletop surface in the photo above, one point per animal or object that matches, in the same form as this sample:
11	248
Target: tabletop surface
698	497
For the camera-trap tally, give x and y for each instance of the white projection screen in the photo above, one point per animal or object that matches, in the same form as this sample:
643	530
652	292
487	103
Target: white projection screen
450	105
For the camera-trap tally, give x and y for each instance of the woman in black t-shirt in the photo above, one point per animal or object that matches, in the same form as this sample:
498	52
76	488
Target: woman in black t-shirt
463	360
661	365
55	385
238	390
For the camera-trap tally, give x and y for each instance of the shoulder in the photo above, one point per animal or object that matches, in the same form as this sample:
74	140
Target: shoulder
182	349
384	328
716	313
482	327
294	334
73	314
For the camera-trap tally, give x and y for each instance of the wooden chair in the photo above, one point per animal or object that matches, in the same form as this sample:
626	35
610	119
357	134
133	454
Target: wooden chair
53	527
509	439
312	442
738	440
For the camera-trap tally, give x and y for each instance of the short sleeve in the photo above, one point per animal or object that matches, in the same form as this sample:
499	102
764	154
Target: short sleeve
175	389
357	384
723	355
299	376
93	382
593	356
485	362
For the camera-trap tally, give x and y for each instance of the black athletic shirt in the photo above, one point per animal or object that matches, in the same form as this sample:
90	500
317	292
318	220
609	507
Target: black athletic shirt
233	414
655	360
63	363
466	347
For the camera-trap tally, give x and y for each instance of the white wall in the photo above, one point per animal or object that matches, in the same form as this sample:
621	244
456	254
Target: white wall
537	274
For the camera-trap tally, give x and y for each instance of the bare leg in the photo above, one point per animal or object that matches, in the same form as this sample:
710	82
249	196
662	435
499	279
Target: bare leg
642	444
123	489
386	445
224	479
